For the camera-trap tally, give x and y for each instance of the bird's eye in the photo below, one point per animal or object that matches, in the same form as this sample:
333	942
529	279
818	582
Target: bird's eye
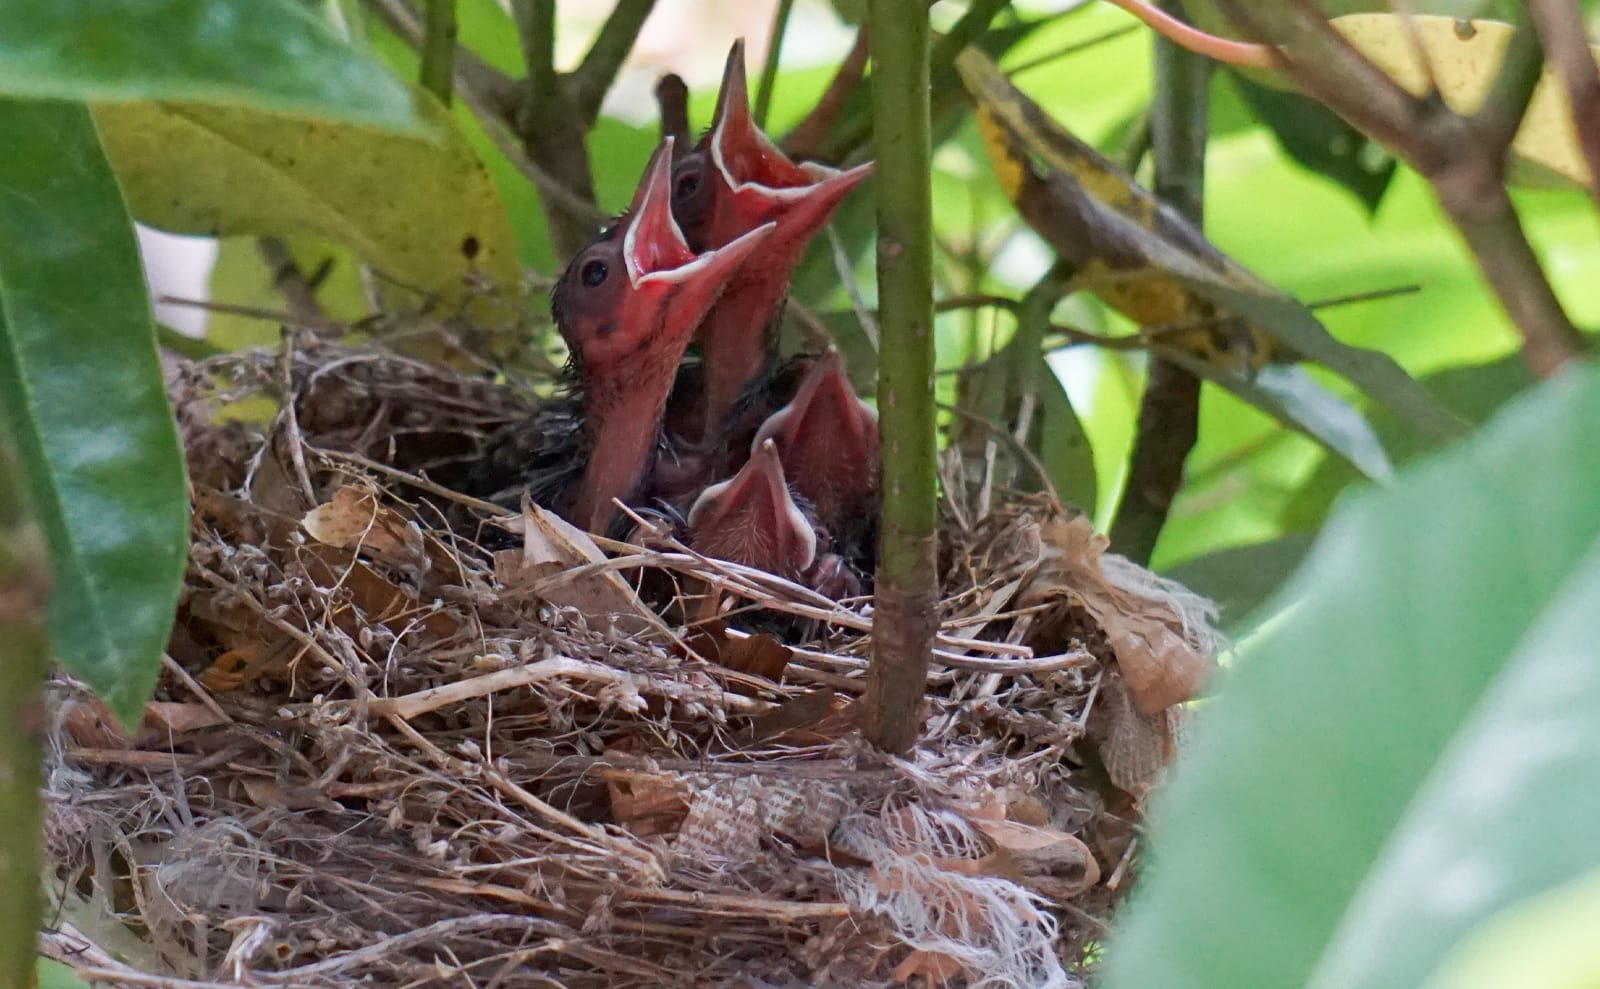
594	274
688	182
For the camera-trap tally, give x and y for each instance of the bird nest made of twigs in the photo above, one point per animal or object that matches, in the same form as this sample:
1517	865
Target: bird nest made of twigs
383	753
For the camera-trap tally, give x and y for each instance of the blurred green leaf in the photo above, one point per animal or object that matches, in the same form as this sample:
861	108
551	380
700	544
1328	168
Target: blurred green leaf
1239	579
1319	139
1547	941
1416	737
269	54
423	212
1289	395
1475	392
84	399
54	975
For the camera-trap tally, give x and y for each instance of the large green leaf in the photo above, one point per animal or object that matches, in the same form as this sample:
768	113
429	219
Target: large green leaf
1415	743
82	394
422	211
271	54
1547	942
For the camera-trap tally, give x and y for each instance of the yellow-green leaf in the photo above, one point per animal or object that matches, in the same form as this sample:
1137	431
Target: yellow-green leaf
1463	58
422	212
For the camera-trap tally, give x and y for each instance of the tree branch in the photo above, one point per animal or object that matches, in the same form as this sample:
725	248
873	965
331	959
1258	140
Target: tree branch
493	87
1169	411
593	77
439	49
672	101
493	99
1463	157
906	591
551	128
1566	46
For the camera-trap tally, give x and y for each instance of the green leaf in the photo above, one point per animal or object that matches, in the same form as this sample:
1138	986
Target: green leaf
1412	745
1547	942
82	393
269	54
1476	392
1319	139
54	975
1377	374
1290	395
1240	578
424	212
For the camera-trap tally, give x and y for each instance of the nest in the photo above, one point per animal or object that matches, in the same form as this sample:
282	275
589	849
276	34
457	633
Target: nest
384	753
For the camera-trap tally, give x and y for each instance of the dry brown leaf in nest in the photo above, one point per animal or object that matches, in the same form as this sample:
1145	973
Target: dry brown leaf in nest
647	804
759	654
354	519
551	547
795	721
237	667
1134	746
730	818
89	724
1164	657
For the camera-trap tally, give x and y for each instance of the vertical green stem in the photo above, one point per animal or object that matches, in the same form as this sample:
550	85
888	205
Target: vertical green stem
23	652
439	48
769	70
1169	412
906	603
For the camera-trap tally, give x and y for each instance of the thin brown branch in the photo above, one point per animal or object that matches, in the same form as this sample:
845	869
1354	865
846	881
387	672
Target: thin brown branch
672	100
1169	410
807	137
1566	46
1463	157
551	126
494	99
593	77
291	283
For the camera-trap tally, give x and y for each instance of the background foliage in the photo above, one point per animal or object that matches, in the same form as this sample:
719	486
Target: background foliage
1445	616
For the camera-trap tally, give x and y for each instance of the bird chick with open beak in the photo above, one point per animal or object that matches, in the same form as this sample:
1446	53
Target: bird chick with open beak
627	306
734	180
828	438
754	520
